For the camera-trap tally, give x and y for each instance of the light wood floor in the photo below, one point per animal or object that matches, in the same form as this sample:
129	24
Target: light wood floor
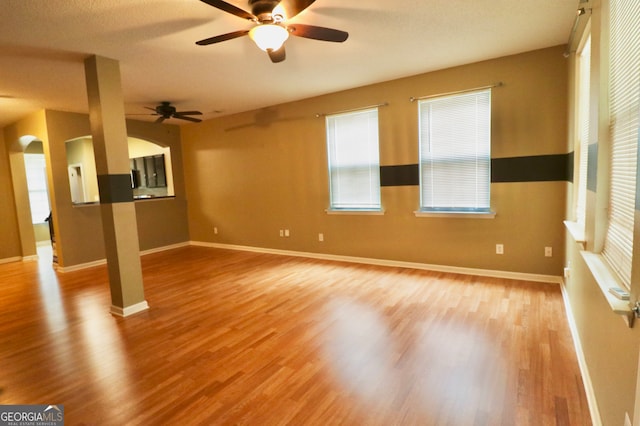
245	338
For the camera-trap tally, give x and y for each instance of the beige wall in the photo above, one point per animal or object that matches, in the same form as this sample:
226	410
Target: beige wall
250	181
610	347
79	228
10	242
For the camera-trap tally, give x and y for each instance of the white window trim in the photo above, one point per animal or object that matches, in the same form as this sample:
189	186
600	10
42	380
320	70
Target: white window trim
456	214
577	231
606	279
363	212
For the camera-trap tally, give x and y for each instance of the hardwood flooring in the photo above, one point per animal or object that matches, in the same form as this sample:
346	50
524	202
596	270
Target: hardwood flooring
245	338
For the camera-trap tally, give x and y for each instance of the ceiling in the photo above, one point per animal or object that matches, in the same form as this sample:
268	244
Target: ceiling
43	45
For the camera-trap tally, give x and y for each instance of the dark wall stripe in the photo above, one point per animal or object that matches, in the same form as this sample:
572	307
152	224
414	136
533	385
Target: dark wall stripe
570	163
540	168
592	167
404	175
115	188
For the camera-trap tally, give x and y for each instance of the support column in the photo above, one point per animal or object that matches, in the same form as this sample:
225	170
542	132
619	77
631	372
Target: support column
111	151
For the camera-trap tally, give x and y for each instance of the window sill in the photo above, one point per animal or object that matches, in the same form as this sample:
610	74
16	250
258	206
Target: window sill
606	279
576	231
355	212
154	197
459	215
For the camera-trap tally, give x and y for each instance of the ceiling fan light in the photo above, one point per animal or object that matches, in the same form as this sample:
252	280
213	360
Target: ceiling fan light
269	36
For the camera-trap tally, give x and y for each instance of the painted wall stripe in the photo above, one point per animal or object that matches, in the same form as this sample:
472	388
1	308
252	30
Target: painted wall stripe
592	167
540	168
115	188
403	175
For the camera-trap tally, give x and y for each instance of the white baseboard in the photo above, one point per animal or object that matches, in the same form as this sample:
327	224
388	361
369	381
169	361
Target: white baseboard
82	266
552	279
101	262
164	248
582	362
129	310
11	259
30	258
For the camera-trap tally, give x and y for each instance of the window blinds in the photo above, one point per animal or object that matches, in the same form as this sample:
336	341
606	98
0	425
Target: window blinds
354	160
584	79
455	152
624	98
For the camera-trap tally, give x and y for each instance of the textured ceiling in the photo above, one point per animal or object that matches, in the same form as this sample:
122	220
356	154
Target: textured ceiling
43	45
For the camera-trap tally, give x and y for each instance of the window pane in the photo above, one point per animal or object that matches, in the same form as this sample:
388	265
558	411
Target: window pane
624	101
354	163
455	152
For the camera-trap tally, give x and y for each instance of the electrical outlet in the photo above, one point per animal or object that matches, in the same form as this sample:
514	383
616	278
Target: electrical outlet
282	233
215	230
548	251
321	237
499	249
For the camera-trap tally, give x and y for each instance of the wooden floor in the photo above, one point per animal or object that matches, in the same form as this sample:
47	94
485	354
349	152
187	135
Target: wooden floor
244	338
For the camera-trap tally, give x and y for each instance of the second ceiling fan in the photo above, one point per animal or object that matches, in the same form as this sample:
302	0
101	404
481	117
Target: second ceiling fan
271	30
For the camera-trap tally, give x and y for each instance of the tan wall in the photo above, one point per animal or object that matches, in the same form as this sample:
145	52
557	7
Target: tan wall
79	228
10	240
250	181
41	231
610	347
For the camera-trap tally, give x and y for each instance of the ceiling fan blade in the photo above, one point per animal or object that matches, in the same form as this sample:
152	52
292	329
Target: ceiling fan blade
188	113
152	109
277	55
318	33
229	8
160	119
290	8
222	37
184	117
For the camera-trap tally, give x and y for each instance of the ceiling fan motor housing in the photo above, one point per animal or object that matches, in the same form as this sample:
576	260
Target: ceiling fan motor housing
165	109
263	9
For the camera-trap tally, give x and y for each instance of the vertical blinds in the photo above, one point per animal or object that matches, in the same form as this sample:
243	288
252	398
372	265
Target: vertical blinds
583	129
354	160
624	98
455	152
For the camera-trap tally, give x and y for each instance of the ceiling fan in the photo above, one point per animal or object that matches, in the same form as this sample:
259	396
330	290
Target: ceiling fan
271	30
165	111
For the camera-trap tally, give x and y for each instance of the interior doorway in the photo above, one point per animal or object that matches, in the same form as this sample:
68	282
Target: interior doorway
29	170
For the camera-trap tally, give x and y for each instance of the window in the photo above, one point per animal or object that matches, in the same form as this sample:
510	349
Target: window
37	186
624	111
455	153
584	65
354	160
